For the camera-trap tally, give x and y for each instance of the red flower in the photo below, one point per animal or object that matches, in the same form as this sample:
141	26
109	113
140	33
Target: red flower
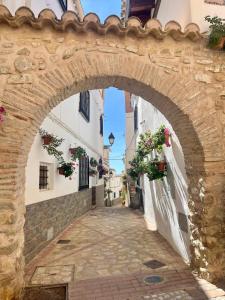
2	110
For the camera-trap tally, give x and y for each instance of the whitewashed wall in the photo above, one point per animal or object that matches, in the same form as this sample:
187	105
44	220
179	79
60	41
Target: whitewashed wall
163	200
115	184
200	9
187	11
65	121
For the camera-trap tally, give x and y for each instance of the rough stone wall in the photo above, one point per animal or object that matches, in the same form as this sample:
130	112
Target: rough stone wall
45	61
45	220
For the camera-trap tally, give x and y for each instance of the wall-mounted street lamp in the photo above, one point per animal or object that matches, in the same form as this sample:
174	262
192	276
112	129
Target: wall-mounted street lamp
111	142
111	138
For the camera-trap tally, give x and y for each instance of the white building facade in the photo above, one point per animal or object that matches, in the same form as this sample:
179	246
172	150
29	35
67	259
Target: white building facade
166	201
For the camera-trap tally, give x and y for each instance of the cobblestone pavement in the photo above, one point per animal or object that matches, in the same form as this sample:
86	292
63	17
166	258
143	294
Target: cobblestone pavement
102	255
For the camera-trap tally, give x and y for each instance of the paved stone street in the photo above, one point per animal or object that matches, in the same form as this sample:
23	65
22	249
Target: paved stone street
102	256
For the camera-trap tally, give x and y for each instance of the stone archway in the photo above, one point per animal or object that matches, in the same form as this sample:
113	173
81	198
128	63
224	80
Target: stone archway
44	61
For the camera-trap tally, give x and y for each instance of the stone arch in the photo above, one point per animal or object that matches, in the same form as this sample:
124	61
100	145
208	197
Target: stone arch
49	60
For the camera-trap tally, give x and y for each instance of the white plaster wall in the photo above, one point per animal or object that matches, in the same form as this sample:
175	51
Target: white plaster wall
163	200
115	184
65	121
177	10
187	11
200	9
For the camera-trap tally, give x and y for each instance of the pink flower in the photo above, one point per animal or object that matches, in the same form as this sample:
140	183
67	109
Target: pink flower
2	110
167	131
167	137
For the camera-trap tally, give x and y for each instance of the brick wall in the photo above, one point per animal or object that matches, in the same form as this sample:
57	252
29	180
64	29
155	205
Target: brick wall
46	219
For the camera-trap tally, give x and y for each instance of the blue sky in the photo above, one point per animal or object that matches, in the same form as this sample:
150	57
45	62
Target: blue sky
114	116
103	8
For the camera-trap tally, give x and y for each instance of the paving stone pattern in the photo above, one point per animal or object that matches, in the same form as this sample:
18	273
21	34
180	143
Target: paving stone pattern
108	248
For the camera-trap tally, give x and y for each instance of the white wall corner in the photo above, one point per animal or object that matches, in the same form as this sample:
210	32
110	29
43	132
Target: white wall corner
150	225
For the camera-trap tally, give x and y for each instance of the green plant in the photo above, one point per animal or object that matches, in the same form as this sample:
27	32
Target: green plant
66	168
145	144
77	153
153	171
159	139
217	32
93	162
93	172
52	143
148	142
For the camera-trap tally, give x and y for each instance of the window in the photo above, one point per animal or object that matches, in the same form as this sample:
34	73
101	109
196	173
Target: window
84	107
101	125
83	173
136	118
43	177
63	4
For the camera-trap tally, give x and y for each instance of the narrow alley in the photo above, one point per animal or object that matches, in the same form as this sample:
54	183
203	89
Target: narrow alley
108	253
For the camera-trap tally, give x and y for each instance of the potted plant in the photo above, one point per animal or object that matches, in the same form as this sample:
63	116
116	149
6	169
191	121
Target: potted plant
155	170
66	169
77	153
50	138
93	172
217	33
162	165
51	143
93	162
2	114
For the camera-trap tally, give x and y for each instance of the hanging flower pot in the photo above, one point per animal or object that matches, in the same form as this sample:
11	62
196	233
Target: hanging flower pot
66	169
162	166
47	139
77	153
93	162
93	172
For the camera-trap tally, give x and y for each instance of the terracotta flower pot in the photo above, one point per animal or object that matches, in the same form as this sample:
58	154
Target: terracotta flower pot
161	166
47	139
61	171
72	150
221	44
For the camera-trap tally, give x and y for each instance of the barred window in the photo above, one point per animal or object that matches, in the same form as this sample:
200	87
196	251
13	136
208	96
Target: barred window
84	107
101	125
135	118
83	172
63	4
43	177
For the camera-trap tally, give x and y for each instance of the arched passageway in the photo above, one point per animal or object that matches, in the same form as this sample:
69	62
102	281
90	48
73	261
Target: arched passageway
49	60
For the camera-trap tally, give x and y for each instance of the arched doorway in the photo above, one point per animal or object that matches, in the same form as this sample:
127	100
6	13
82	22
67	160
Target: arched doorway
49	60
